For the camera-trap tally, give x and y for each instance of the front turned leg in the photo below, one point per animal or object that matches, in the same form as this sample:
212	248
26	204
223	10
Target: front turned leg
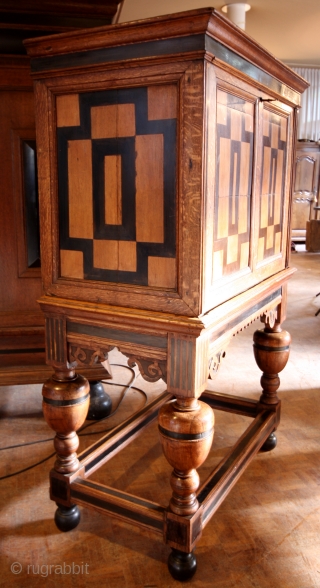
271	351
65	405
186	433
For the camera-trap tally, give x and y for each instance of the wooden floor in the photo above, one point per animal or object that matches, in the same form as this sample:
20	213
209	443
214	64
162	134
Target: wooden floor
265	535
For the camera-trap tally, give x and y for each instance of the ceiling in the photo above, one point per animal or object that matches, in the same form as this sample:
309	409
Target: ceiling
289	29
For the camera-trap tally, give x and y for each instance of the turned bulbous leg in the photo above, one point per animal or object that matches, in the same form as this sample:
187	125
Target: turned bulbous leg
65	406
186	433
271	351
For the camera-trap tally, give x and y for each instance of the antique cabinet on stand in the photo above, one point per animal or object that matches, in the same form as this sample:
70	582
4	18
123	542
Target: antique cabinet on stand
165	152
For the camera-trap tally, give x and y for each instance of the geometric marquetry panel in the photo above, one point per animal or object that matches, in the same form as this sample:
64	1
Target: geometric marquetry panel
274	146
117	185
235	128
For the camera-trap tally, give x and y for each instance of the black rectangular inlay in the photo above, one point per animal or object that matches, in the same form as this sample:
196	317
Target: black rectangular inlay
117	335
115	509
121	53
154	404
240	63
123	495
247	313
220	404
119	442
252	430
12	351
162	47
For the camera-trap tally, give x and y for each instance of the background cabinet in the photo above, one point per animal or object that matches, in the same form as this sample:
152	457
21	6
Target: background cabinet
22	348
306	187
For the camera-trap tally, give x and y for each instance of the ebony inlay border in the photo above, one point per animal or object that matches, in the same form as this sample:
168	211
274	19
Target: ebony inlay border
22	350
185	436
123	511
70	402
242	454
146	414
200	42
117	335
248	313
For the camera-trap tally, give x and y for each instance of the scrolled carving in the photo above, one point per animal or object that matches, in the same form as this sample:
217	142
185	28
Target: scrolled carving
87	357
151	370
270	317
214	363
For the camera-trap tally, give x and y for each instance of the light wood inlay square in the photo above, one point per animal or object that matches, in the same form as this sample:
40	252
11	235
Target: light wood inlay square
266	127
275	135
243	214
127	256
224	170
113	190
248	124
264	211
232	249
244	255
261	249
162	272
270	237
71	264
223	218
149	189
115	120
80	189
245	169
217	265
68	112
115	255
222	114
266	170
279	187
277	242
106	254
236	123
162	102
283	128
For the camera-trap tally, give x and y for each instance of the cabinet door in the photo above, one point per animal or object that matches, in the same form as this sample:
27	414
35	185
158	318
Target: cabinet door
247	197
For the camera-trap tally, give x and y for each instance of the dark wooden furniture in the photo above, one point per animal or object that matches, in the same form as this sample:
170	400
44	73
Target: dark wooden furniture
22	345
306	187
165	153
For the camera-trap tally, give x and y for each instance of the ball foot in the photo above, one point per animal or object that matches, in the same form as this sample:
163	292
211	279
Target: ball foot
67	518
182	566
100	402
270	443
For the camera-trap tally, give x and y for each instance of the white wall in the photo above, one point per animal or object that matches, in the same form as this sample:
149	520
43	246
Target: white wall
137	9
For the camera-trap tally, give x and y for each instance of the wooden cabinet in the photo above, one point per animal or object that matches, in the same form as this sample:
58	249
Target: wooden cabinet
21	321
306	187
22	343
165	154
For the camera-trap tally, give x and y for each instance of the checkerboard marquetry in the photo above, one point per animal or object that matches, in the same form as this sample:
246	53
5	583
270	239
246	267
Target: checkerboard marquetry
272	183
235	126
117	209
